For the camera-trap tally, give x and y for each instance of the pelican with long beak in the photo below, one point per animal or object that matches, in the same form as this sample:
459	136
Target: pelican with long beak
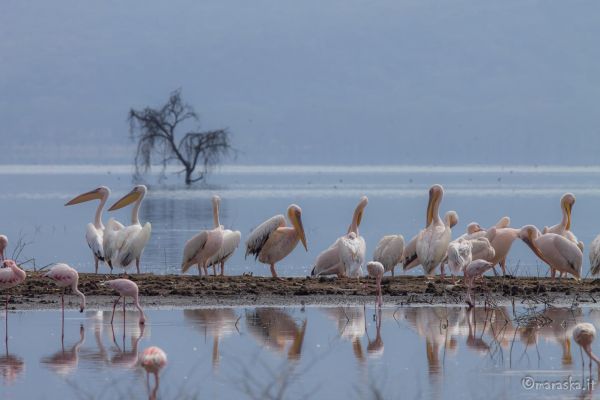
347	254
131	240
563	228
433	241
231	241
272	241
555	250
410	259
94	234
204	245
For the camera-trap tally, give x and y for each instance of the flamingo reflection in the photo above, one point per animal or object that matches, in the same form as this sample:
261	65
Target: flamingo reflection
375	346
11	366
275	328
215	322
64	362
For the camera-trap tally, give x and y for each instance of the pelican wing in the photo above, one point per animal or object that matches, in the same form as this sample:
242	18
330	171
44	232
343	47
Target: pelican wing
131	242
109	240
231	241
571	253
409	256
191	248
328	262
259	236
482	249
352	254
94	238
595	256
459	255
389	251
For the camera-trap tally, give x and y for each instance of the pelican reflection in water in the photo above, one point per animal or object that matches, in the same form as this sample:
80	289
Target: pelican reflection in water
215	322
275	328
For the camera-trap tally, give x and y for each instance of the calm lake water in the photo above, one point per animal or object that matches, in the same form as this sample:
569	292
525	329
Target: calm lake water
31	206
317	352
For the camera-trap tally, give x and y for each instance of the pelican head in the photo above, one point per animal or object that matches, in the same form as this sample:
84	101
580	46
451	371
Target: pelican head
295	215
529	234
436	192
566	202
473	227
451	218
136	193
96	194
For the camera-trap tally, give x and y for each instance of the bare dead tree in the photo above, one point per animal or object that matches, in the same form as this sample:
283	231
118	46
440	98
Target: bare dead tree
155	131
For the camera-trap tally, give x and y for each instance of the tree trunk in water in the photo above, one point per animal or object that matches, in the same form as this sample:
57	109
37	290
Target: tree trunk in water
188	176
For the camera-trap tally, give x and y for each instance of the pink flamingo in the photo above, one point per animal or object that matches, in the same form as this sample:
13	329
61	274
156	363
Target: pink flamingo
475	269
376	270
3	246
126	288
584	334
64	277
10	276
153	359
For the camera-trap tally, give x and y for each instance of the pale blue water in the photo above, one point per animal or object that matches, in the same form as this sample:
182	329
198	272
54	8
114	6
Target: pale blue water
32	199
317	353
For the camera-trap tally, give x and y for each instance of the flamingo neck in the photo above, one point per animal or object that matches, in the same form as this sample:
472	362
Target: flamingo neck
588	350
98	218
76	290
137	305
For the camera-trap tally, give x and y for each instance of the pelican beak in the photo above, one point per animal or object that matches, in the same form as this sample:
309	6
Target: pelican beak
433	198
360	214
529	241
125	200
297	222
91	195
568	210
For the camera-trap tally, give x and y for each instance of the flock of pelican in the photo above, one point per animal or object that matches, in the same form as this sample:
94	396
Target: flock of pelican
471	254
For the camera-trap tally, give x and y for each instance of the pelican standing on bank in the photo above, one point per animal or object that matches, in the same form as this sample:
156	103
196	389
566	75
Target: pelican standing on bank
94	234
3	246
410	259
231	241
557	251
433	241
272	240
347	254
563	228
204	245
131	240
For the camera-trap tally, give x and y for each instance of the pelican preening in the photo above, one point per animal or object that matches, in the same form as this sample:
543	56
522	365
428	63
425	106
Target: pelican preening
272	241
558	252
204	245
94	234
346	255
432	242
563	228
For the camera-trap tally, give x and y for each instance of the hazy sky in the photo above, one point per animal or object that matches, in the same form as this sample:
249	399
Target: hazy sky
343	82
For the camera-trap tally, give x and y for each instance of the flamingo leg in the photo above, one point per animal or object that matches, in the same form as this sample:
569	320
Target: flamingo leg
114	306
124	301
273	272
222	268
137	265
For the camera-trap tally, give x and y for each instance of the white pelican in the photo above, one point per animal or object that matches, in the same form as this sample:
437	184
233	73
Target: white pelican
94	234
204	245
595	256
432	242
558	252
563	228
3	246
231	241
272	241
389	252
347	254
459	255
409	256
131	240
